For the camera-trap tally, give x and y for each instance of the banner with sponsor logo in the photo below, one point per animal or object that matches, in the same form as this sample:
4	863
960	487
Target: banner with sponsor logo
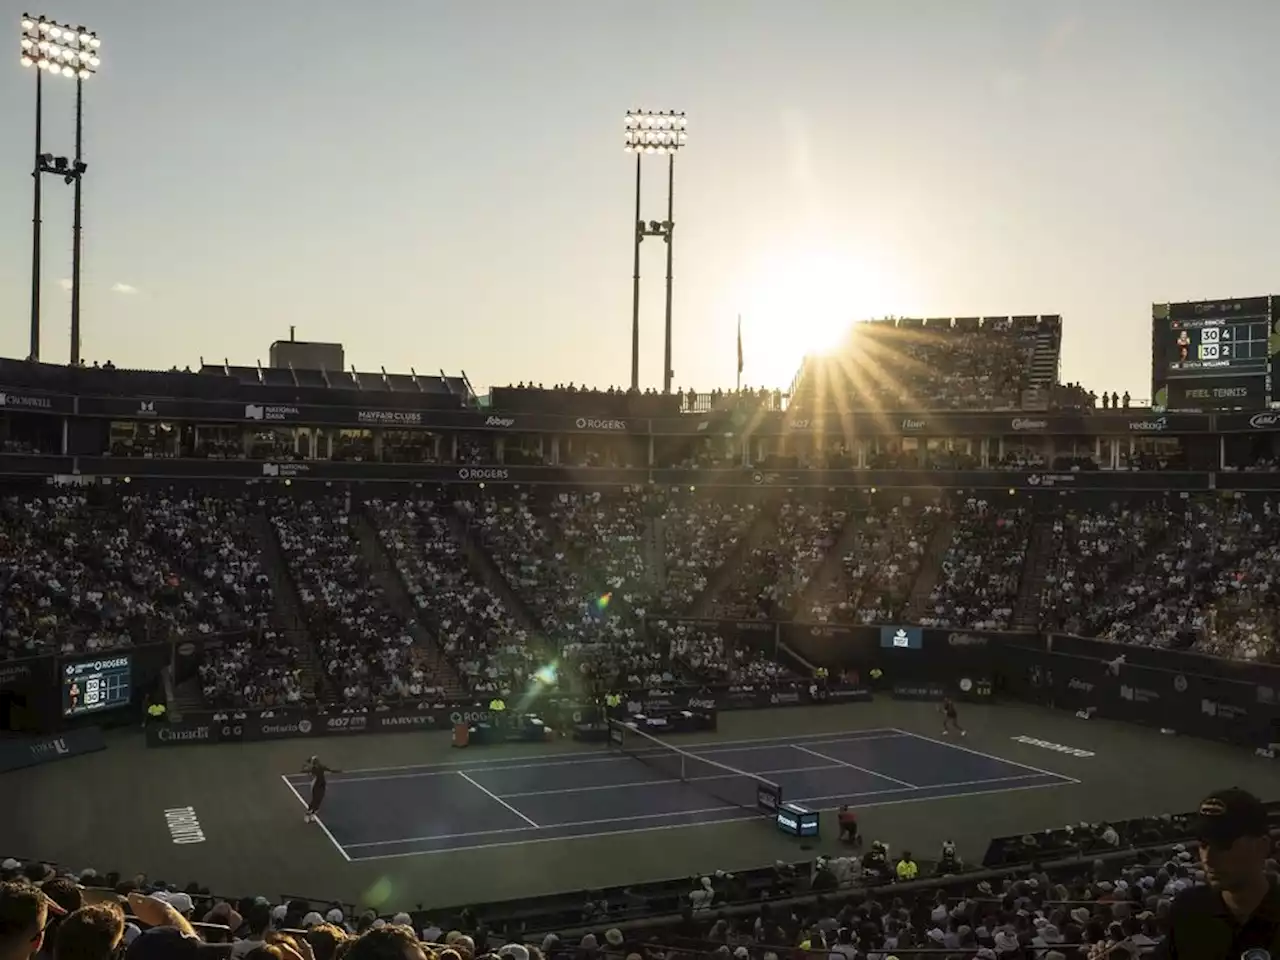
282	724
1267	422
1247	392
28	675
391	417
29	401
413	412
30	751
918	691
323	471
1193	694
1192	704
902	638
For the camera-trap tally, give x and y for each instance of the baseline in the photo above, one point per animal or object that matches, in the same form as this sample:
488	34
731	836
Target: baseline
332	839
564	757
987	756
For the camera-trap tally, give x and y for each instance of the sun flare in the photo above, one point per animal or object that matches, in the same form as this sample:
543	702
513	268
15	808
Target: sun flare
803	304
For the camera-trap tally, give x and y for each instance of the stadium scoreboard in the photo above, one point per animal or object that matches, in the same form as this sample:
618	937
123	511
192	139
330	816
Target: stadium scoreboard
92	686
1215	354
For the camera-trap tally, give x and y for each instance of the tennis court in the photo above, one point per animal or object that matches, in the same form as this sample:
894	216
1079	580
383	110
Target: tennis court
426	809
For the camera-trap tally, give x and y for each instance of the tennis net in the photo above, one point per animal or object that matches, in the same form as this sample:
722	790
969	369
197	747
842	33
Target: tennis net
725	783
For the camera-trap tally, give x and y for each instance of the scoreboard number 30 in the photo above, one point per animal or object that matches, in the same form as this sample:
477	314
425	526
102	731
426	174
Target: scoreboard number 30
1209	346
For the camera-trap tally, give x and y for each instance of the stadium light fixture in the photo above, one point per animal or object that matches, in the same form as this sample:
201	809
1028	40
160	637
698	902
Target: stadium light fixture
662	133
74	53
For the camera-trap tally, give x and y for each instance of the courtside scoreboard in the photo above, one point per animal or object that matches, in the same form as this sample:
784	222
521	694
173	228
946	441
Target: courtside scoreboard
91	686
1215	354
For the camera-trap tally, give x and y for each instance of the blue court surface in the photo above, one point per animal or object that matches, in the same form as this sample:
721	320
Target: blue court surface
408	811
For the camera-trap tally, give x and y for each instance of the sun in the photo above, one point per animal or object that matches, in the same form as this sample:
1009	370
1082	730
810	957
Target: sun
806	303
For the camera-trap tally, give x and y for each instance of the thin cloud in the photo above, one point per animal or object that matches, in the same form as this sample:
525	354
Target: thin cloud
124	288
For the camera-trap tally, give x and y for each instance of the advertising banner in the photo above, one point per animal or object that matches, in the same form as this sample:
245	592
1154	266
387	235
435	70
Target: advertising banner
1189	693
832	645
902	638
1192	704
19	400
197	727
30	751
28	676
1179	661
918	691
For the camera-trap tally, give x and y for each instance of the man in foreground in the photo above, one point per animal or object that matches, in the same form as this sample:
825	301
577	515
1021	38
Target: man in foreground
1238	914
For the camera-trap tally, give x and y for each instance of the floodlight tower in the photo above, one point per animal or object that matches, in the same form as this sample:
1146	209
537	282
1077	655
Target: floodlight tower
58	49
663	132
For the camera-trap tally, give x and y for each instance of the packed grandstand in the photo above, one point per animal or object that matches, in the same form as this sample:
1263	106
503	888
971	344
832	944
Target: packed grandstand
641	559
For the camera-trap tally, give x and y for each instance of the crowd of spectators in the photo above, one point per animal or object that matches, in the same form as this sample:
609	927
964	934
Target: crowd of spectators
1090	550
711	658
591	624
699	534
880	564
607	531
906	367
1075	893
366	650
214	545
981	570
1216	560
88	573
479	635
778	570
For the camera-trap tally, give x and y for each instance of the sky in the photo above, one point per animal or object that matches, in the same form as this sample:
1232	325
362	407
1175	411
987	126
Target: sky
442	185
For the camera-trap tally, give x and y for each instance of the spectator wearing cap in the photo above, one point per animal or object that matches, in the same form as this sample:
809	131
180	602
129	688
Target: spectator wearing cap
181	902
24	914
90	933
1238	913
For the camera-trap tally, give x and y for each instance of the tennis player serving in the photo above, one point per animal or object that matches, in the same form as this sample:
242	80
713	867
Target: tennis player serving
950	718
317	770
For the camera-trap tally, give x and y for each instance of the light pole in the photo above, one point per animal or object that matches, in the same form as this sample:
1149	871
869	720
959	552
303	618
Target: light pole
664	132
72	52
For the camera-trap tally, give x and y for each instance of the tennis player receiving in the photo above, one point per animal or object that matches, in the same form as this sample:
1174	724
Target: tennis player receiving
949	718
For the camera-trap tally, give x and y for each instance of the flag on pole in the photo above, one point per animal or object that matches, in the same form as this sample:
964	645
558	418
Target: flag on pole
739	344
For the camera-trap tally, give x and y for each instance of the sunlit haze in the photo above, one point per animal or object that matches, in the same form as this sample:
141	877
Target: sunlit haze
442	184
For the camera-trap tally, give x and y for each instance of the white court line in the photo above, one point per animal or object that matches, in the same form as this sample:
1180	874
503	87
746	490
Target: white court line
707	746
483	789
854	766
305	805
564	760
557	826
1062	781
581	836
988	756
684	813
656	783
